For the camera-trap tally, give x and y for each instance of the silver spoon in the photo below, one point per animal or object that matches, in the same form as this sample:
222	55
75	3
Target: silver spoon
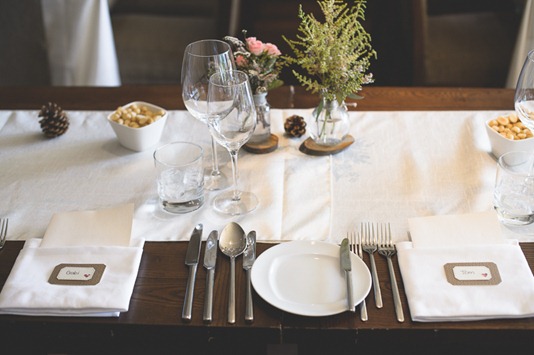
232	243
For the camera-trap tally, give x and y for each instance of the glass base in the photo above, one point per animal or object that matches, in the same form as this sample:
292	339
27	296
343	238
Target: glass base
514	219
182	207
225	203
214	181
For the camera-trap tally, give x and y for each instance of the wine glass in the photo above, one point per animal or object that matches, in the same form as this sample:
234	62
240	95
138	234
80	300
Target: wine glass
232	119
524	93
201	60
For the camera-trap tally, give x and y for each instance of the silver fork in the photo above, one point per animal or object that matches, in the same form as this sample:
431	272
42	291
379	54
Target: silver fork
387	249
3	231
358	251
370	246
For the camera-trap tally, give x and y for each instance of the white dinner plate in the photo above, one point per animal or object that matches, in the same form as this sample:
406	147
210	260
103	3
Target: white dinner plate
305	278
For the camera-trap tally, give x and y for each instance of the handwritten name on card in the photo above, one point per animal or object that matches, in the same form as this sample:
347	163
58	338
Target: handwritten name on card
471	274
77	274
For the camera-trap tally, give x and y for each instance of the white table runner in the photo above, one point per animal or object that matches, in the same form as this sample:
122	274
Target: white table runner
402	165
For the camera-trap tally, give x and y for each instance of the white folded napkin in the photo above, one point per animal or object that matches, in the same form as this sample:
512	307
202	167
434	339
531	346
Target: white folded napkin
436	294
32	287
28	292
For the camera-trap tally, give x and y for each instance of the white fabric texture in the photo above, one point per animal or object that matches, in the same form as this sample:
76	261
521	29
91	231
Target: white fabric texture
401	165
524	44
80	43
28	292
431	297
107	227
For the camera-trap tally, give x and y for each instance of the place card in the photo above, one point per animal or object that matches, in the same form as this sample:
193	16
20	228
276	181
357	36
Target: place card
471	274
77	274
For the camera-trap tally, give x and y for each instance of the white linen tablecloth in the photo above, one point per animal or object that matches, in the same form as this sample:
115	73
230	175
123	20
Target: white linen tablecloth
401	165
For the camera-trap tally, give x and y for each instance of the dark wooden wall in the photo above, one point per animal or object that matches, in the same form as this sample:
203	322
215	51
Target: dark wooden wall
390	23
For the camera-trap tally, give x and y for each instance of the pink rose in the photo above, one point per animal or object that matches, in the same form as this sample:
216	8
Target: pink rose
272	49
241	61
254	46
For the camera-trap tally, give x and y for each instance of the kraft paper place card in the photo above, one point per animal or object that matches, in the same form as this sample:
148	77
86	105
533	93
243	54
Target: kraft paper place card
106	227
471	274
77	274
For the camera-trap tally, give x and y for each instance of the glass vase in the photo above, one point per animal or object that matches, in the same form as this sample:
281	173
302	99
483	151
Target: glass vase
263	117
329	123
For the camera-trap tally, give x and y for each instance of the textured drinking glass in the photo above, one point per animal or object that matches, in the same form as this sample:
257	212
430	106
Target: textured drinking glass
513	196
180	176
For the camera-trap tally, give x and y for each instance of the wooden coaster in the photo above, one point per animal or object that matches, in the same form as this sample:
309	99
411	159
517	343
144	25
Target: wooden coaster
311	148
264	147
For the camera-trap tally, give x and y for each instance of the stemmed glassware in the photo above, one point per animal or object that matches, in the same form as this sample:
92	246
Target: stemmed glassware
524	93
232	119
201	60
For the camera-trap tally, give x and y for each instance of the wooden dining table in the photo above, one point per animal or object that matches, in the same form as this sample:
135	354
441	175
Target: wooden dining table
153	323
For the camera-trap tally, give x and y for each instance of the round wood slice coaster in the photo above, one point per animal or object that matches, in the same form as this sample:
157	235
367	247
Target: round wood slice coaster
267	146
311	148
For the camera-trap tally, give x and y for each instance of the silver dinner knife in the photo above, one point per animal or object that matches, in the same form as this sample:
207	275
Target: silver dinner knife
191	259
249	256
346	265
210	259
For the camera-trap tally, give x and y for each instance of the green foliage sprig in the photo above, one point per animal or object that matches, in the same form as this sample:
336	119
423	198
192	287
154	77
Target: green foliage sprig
336	53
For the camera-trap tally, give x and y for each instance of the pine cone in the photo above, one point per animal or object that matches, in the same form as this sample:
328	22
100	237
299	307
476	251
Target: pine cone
54	122
295	126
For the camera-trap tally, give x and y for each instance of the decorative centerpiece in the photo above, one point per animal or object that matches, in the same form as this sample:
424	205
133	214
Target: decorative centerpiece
260	62
335	56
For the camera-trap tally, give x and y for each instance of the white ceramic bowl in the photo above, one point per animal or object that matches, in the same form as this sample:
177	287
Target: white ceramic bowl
501	145
142	138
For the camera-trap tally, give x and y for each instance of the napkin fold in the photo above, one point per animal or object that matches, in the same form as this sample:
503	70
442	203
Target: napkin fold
432	296
110	226
29	291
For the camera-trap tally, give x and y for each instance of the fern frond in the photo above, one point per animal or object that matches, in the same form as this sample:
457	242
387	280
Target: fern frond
335	53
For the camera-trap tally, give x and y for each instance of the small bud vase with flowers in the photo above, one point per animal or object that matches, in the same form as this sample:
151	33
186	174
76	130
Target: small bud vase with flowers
260	62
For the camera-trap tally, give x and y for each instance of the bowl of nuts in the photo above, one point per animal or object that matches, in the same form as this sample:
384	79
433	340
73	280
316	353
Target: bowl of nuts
138	125
508	133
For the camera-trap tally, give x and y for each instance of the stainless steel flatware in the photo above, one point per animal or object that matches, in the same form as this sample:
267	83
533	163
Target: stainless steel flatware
210	259
346	265
356	247
232	243
369	245
387	249
191	259
3	231
249	256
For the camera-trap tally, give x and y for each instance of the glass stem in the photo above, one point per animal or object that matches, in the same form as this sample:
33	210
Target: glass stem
233	157
215	160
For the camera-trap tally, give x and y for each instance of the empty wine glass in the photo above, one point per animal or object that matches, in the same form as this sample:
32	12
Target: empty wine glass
201	60
524	93
232	119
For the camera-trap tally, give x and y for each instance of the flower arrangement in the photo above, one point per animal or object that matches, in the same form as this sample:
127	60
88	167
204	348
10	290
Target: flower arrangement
336	53
258	60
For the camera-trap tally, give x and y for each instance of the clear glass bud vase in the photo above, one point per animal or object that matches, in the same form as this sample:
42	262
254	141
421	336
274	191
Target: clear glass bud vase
263	117
329	123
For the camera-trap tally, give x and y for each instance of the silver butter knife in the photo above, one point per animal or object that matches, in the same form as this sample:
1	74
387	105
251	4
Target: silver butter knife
347	266
210	259
249	256
191	259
